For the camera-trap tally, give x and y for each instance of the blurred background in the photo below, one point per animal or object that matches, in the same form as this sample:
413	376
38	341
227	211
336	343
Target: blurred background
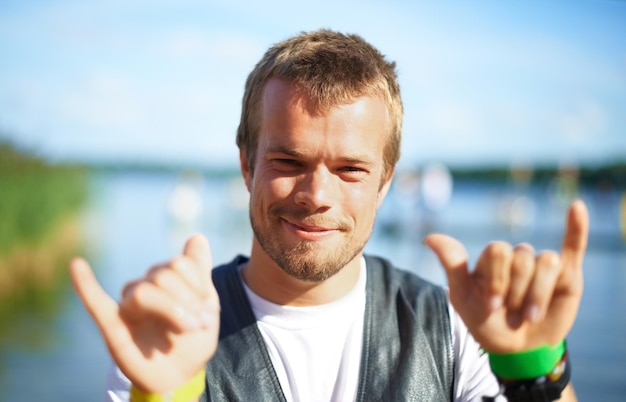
117	124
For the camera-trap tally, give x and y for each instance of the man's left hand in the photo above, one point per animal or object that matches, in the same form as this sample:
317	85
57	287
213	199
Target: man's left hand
516	299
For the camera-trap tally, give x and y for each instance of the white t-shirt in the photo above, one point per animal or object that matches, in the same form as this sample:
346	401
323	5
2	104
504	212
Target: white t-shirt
316	351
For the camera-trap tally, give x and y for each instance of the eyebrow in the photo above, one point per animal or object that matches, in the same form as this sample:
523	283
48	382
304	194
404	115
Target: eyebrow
353	159
281	149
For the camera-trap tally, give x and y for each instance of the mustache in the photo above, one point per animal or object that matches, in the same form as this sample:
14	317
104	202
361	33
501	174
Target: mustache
310	219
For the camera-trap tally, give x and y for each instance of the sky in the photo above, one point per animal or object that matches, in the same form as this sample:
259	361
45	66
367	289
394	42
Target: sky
160	81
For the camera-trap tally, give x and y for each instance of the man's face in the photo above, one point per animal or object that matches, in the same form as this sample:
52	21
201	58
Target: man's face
317	179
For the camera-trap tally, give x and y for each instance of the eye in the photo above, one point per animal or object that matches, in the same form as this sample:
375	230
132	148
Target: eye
287	162
351	169
352	173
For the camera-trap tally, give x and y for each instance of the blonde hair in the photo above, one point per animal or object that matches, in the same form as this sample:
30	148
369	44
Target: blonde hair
332	69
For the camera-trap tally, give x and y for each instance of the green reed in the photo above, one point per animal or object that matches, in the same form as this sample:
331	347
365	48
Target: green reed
34	197
39	232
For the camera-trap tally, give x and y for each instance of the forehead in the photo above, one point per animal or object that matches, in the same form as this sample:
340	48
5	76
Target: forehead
288	115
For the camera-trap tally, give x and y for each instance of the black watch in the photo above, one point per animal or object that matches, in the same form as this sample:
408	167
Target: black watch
542	389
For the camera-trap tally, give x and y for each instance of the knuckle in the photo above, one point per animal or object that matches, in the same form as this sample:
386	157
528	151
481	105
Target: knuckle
498	250
162	277
152	270
548	260
128	288
179	263
525	248
139	294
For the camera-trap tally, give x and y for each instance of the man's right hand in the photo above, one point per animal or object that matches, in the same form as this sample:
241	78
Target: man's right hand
166	326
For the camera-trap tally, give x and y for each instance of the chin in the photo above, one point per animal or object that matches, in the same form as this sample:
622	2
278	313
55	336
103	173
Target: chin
311	267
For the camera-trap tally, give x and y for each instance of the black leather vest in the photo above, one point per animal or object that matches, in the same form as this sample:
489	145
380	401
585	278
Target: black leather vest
407	343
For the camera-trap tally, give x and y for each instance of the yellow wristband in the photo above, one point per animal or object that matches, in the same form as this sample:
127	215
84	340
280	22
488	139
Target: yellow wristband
186	393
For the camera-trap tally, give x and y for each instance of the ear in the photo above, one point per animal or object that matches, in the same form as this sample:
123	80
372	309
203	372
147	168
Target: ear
245	169
384	189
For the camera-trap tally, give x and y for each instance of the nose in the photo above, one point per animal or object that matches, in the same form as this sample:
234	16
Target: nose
316	190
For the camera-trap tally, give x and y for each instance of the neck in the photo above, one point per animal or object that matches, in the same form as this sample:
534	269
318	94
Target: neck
269	281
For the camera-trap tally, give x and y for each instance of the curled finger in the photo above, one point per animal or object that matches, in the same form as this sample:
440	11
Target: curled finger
174	284
522	270
541	290
144	301
493	272
192	273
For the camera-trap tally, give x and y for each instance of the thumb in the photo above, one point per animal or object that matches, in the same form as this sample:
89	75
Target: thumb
452	256
102	308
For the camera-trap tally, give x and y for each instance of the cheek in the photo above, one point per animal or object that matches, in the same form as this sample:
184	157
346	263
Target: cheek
280	187
270	189
361	203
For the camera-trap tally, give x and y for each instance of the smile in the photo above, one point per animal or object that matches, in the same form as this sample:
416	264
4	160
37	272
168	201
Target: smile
306	232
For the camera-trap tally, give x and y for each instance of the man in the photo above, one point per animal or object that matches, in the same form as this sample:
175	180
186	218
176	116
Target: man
307	316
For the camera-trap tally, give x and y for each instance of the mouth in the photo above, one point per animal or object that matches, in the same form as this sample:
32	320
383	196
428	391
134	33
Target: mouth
309	232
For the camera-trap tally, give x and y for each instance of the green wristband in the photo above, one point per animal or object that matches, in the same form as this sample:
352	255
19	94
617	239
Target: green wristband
528	364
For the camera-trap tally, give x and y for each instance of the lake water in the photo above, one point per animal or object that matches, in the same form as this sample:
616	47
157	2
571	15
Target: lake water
137	219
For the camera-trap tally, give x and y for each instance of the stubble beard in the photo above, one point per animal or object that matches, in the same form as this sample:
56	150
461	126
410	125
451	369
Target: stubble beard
304	260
